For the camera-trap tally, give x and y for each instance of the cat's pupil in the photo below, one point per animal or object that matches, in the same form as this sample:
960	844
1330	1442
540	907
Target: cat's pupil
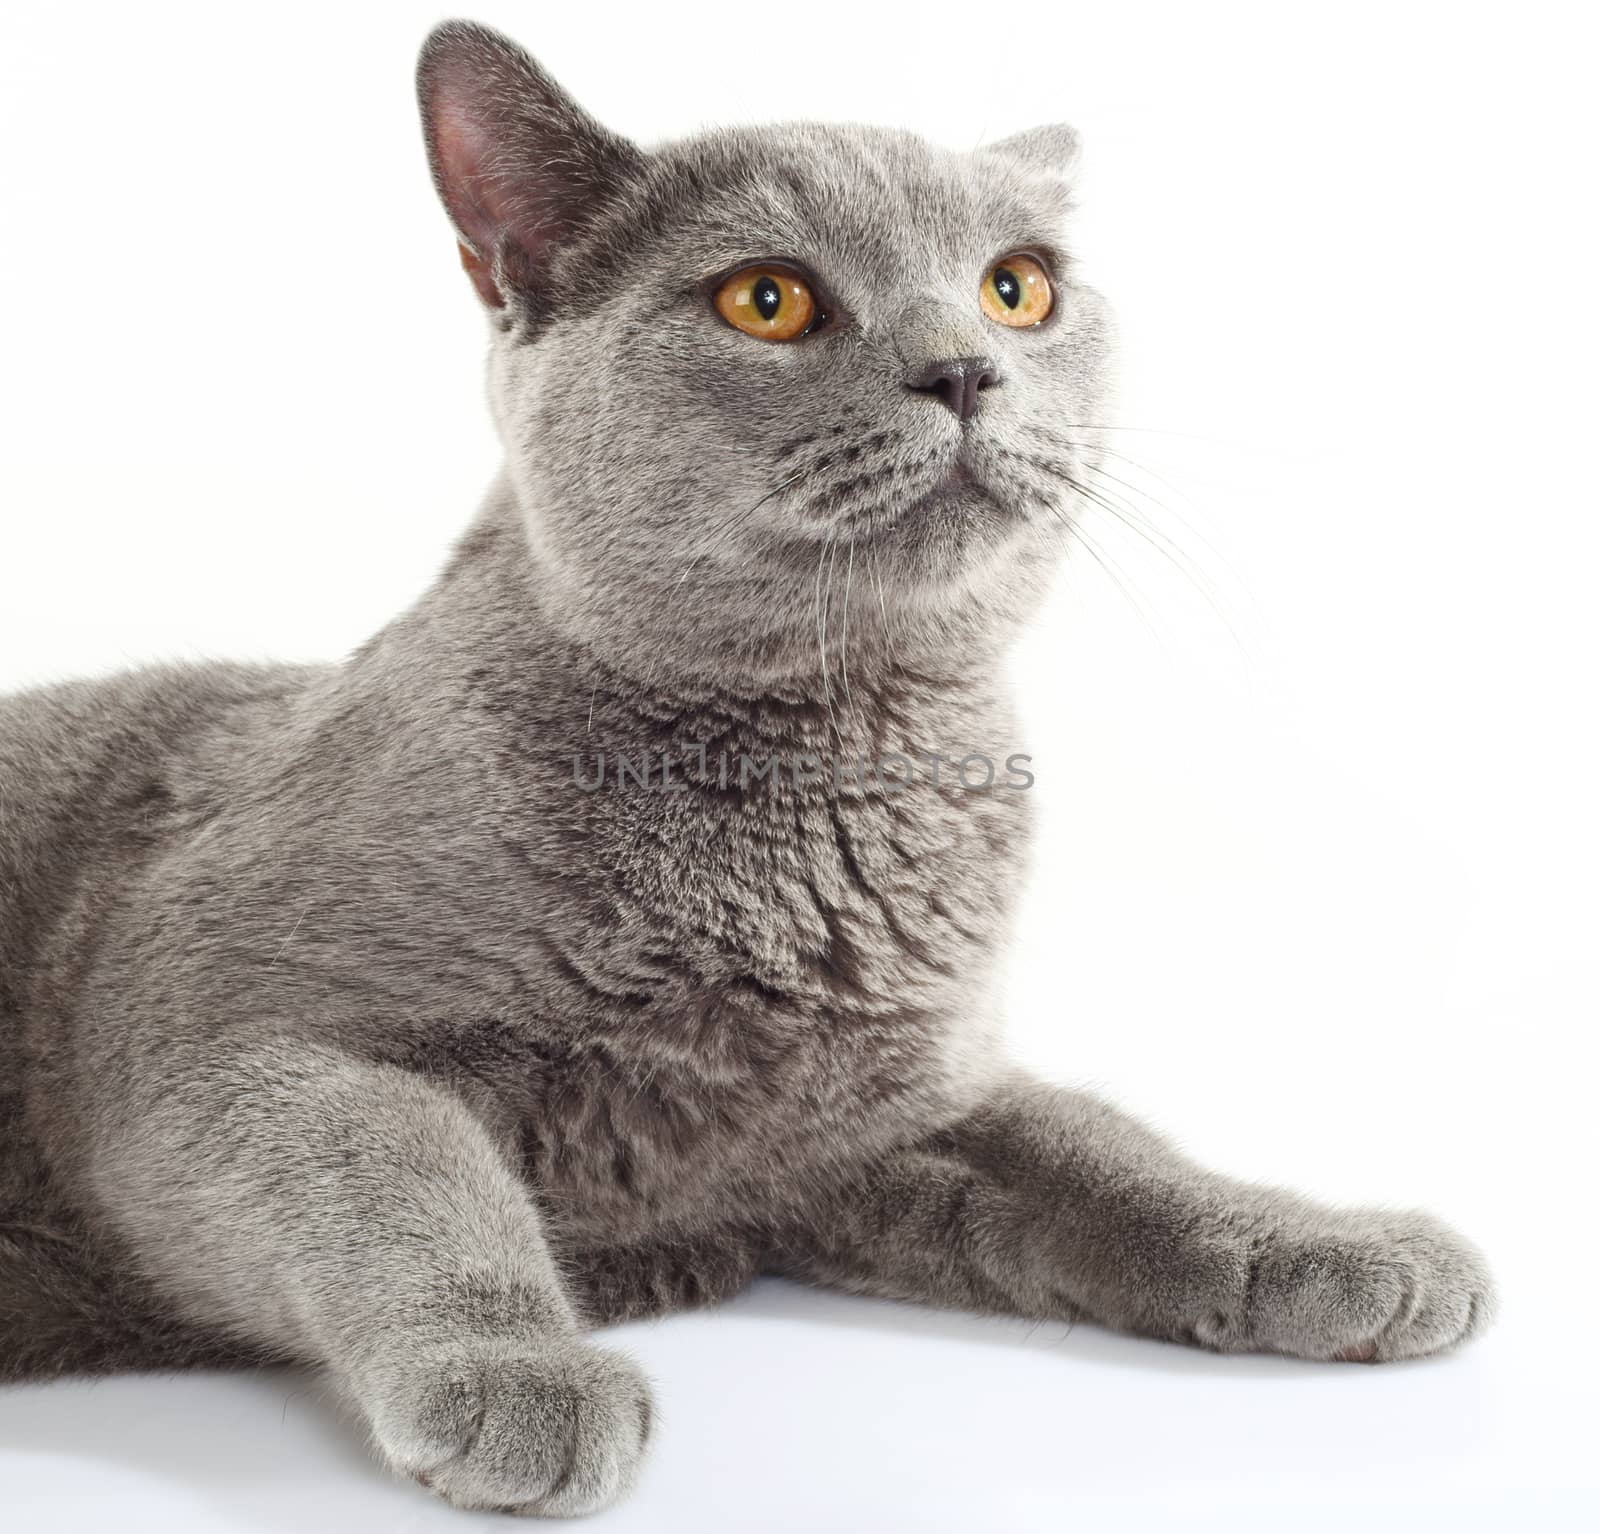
1007	286
766	296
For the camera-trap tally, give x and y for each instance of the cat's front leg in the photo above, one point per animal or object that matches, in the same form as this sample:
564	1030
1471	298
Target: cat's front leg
356	1216
1050	1203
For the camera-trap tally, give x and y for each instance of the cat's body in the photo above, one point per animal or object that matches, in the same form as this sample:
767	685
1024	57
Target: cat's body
735	994
345	1017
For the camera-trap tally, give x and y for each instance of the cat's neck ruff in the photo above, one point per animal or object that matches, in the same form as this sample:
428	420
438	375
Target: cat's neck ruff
485	645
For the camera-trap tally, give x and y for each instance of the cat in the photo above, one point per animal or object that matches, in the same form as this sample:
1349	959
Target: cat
348	1017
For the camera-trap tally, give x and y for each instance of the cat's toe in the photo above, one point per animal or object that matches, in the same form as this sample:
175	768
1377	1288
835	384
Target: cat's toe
1368	1286
541	1429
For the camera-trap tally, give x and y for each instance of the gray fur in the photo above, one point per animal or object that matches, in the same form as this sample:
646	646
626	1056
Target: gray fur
338	1024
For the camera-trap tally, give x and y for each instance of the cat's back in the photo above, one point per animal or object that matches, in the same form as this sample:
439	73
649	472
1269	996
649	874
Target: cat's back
86	768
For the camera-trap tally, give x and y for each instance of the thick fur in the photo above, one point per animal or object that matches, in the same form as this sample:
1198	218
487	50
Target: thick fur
343	1021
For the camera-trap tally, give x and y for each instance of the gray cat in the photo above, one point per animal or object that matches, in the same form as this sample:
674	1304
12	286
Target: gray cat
604	932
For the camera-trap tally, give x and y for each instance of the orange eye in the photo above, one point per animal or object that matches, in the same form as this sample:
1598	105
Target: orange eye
767	302
1016	291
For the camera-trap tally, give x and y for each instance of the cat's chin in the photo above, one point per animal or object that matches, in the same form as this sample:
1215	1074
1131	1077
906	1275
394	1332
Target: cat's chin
961	514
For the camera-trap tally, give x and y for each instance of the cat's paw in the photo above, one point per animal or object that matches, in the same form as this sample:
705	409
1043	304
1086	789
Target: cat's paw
547	1429
1362	1286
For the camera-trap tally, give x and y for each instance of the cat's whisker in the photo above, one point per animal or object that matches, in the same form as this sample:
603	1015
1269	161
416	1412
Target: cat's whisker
877	580
844	633
824	549
1099	448
727	524
1173	553
1162	506
1112	571
1136	521
827	615
1096	499
1129	508
1150	431
875	570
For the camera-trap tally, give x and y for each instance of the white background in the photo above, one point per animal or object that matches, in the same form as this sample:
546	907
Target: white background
1316	888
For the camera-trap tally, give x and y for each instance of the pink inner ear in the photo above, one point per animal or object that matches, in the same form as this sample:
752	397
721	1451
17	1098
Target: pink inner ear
481	274
517	163
488	207
463	149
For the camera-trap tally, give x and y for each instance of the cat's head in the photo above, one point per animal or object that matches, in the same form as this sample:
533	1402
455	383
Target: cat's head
770	394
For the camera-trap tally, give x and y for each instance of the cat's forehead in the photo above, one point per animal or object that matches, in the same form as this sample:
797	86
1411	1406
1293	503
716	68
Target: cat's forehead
864	207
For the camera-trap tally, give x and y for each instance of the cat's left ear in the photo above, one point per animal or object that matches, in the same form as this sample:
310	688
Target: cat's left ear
520	166
1051	150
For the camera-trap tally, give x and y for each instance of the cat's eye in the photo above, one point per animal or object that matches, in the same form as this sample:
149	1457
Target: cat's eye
1016	291
768	302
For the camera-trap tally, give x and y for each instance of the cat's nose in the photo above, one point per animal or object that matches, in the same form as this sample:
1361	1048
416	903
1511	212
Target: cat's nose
956	382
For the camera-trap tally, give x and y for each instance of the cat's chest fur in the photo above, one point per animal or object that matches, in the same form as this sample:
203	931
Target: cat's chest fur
743	975
671	989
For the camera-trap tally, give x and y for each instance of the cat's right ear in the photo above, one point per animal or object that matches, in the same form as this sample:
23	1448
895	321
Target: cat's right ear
519	165
1052	150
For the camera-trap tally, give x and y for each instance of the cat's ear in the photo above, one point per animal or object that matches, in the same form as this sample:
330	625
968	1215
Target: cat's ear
519	165
1051	150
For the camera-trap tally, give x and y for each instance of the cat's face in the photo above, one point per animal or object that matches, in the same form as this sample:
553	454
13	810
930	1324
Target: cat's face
774	393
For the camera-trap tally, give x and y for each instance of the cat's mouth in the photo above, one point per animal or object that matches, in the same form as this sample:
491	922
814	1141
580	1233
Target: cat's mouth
960	485
949	494
957	475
